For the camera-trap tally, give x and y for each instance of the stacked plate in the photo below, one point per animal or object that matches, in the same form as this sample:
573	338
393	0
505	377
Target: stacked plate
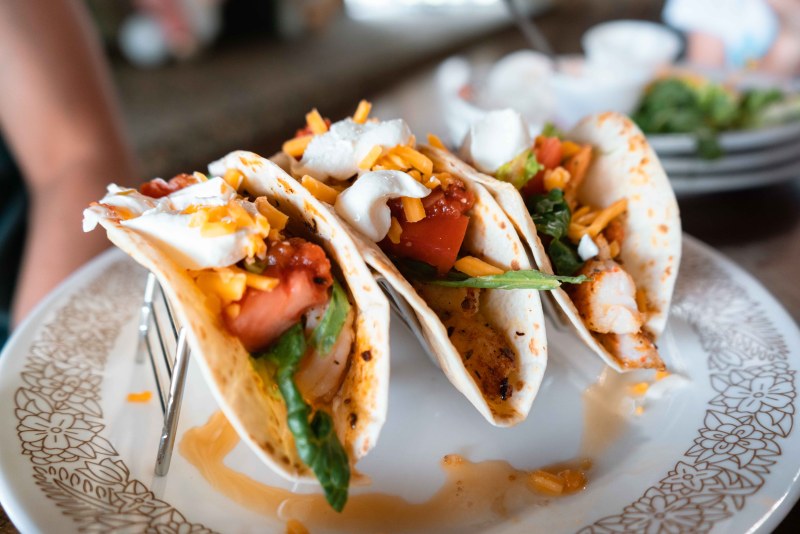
751	158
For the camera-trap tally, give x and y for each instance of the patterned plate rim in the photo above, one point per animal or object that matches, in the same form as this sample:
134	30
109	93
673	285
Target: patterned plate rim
59	421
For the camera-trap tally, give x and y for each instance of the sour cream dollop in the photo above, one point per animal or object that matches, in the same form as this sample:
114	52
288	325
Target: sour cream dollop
162	222
337	153
587	248
363	204
495	139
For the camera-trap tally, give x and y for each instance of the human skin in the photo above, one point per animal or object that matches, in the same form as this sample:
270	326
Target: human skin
61	122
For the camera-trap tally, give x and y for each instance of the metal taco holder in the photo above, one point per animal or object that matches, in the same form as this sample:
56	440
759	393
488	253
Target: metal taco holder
168	353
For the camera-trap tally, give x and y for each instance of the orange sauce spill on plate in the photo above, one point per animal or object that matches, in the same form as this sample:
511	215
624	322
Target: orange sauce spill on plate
604	418
475	493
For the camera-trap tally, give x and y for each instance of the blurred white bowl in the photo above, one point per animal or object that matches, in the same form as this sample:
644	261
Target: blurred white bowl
527	82
581	88
631	45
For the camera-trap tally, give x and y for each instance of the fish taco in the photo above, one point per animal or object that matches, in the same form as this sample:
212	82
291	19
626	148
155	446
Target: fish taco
593	202
443	243
282	315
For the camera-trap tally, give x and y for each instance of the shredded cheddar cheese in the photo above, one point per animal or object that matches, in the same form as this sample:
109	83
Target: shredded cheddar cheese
613	249
322	192
316	123
556	178
277	219
233	178
546	482
435	142
362	112
413	209
232	311
395	230
606	216
415	158
432	182
472	266
227	285
295	147
568	148
200	177
372	156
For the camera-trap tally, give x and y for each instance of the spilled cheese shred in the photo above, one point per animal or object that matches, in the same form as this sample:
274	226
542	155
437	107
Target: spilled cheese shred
556	178
141	397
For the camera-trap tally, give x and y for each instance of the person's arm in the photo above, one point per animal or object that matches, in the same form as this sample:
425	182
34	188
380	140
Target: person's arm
59	117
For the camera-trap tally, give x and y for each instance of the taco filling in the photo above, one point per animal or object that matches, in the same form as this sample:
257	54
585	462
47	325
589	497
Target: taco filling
274	291
419	216
580	239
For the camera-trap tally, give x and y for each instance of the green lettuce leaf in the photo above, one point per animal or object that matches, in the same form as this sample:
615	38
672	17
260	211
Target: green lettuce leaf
527	279
327	331
520	170
315	440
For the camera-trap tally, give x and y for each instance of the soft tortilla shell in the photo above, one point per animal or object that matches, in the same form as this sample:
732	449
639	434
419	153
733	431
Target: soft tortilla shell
359	408
624	166
260	419
490	235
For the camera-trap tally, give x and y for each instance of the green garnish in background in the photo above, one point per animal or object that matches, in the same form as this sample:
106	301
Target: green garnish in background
673	105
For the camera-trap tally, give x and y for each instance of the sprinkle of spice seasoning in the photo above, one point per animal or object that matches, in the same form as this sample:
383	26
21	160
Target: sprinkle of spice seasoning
366	355
450	330
353	420
505	391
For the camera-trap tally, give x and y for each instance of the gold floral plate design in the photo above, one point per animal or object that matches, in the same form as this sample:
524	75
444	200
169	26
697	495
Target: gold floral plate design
721	453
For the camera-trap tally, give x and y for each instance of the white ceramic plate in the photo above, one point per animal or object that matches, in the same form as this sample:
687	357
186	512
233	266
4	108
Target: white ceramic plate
737	162
675	144
720	453
694	184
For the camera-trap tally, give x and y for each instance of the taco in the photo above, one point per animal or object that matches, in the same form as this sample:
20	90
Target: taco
593	202
282	315
444	245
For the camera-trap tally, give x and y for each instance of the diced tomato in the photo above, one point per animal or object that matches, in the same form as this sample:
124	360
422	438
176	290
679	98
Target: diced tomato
548	151
535	186
305	276
437	238
434	240
158	188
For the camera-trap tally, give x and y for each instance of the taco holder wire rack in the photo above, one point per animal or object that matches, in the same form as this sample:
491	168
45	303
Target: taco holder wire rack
164	346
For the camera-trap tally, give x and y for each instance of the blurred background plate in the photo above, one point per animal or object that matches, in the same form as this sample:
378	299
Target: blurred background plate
710	183
753	160
668	144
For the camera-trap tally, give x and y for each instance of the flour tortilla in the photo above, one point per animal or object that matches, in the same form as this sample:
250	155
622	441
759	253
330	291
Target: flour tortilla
517	314
359	407
624	166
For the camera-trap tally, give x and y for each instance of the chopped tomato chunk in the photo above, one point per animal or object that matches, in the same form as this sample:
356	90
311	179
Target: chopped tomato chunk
548	151
158	188
305	276
437	238
434	240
